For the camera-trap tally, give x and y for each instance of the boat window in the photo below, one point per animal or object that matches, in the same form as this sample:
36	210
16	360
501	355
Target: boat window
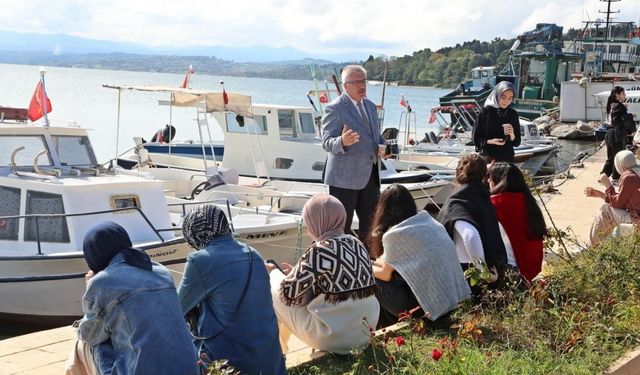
282	163
32	146
73	150
318	166
49	229
615	48
10	198
306	123
125	201
240	124
286	123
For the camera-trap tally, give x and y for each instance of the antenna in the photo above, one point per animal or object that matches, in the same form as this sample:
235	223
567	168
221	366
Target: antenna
608	12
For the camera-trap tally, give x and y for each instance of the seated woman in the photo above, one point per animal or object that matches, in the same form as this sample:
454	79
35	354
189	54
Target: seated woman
415	260
623	205
325	297
520	216
470	219
228	284
133	322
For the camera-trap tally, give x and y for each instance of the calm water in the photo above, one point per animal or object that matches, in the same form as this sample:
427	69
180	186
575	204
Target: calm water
77	95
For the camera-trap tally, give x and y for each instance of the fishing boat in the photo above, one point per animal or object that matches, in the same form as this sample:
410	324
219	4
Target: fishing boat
537	65
480	83
277	155
611	57
54	190
445	141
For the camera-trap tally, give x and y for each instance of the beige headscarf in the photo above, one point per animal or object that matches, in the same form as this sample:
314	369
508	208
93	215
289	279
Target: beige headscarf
325	217
625	160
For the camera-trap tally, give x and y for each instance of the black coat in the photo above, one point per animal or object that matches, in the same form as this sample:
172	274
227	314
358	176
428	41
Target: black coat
472	203
489	125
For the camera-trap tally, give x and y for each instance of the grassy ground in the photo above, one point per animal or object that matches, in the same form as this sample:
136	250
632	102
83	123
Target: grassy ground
582	316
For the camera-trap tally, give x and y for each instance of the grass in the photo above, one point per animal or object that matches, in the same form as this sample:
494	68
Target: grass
578	319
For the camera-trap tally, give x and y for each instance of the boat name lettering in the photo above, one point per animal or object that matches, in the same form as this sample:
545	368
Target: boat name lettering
632	100
265	235
163	253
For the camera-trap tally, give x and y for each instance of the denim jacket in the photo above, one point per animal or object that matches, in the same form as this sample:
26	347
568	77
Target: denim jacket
134	324
246	334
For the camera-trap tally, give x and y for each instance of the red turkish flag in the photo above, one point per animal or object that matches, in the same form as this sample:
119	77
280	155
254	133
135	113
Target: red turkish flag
36	107
225	97
324	97
403	102
432	118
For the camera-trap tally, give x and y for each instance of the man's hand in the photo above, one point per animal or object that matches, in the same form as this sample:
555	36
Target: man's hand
349	137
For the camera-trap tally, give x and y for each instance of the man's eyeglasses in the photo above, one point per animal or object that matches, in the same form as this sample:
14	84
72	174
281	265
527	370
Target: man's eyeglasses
356	82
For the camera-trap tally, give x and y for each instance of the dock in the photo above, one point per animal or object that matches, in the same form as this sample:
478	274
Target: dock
46	352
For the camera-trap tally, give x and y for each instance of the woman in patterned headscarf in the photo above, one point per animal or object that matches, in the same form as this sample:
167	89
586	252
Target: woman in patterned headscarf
497	128
227	283
325	296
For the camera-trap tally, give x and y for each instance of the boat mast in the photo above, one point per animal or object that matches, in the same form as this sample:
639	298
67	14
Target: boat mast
608	12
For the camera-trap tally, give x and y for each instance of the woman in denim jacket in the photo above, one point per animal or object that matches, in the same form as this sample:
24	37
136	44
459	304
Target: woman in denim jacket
133	322
228	283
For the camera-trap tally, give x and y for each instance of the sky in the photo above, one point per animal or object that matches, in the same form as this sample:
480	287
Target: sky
392	28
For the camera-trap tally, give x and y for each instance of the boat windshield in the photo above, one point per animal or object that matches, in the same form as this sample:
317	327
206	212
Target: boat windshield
32	144
74	150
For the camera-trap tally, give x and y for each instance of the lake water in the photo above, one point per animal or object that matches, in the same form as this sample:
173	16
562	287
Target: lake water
77	95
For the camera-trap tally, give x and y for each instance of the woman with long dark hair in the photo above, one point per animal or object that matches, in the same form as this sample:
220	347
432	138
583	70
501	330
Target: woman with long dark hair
470	219
616	137
415	260
519	215
497	128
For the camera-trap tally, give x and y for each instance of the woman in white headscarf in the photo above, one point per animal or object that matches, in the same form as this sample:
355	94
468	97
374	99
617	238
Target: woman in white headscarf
622	206
497	128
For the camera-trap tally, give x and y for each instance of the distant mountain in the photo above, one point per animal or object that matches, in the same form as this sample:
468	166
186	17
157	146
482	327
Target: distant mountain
62	44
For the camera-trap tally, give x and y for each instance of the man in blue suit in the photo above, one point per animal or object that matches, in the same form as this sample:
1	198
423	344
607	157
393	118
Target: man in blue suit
352	139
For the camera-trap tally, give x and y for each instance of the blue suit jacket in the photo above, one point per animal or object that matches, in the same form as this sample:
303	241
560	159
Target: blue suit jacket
349	167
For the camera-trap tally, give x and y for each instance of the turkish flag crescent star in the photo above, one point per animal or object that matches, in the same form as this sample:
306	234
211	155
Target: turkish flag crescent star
36	107
402	102
324	98
225	97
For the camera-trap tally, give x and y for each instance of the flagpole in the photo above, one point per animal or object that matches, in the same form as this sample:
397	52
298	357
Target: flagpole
118	125
44	97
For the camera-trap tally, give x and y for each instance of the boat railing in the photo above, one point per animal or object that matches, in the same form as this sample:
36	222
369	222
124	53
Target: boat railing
37	217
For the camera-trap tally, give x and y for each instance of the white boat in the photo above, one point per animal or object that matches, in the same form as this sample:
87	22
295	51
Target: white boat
278	148
53	191
611	51
445	142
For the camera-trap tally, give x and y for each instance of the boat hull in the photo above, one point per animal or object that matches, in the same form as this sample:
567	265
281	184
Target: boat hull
47	290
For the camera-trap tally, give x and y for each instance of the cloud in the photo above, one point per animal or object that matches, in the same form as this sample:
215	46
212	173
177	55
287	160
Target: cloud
316	26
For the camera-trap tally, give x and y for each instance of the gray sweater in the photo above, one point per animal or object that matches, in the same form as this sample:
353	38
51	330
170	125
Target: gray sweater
420	250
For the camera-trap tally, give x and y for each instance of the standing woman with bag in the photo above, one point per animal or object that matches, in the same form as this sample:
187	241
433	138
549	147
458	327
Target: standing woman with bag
620	126
497	128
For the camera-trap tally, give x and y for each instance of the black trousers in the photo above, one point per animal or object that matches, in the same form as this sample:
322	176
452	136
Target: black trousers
395	297
363	202
613	147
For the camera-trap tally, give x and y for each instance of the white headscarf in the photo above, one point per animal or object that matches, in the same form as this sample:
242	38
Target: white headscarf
625	160
493	100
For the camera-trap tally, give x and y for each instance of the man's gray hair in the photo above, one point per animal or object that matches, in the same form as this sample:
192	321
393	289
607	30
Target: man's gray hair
349	69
